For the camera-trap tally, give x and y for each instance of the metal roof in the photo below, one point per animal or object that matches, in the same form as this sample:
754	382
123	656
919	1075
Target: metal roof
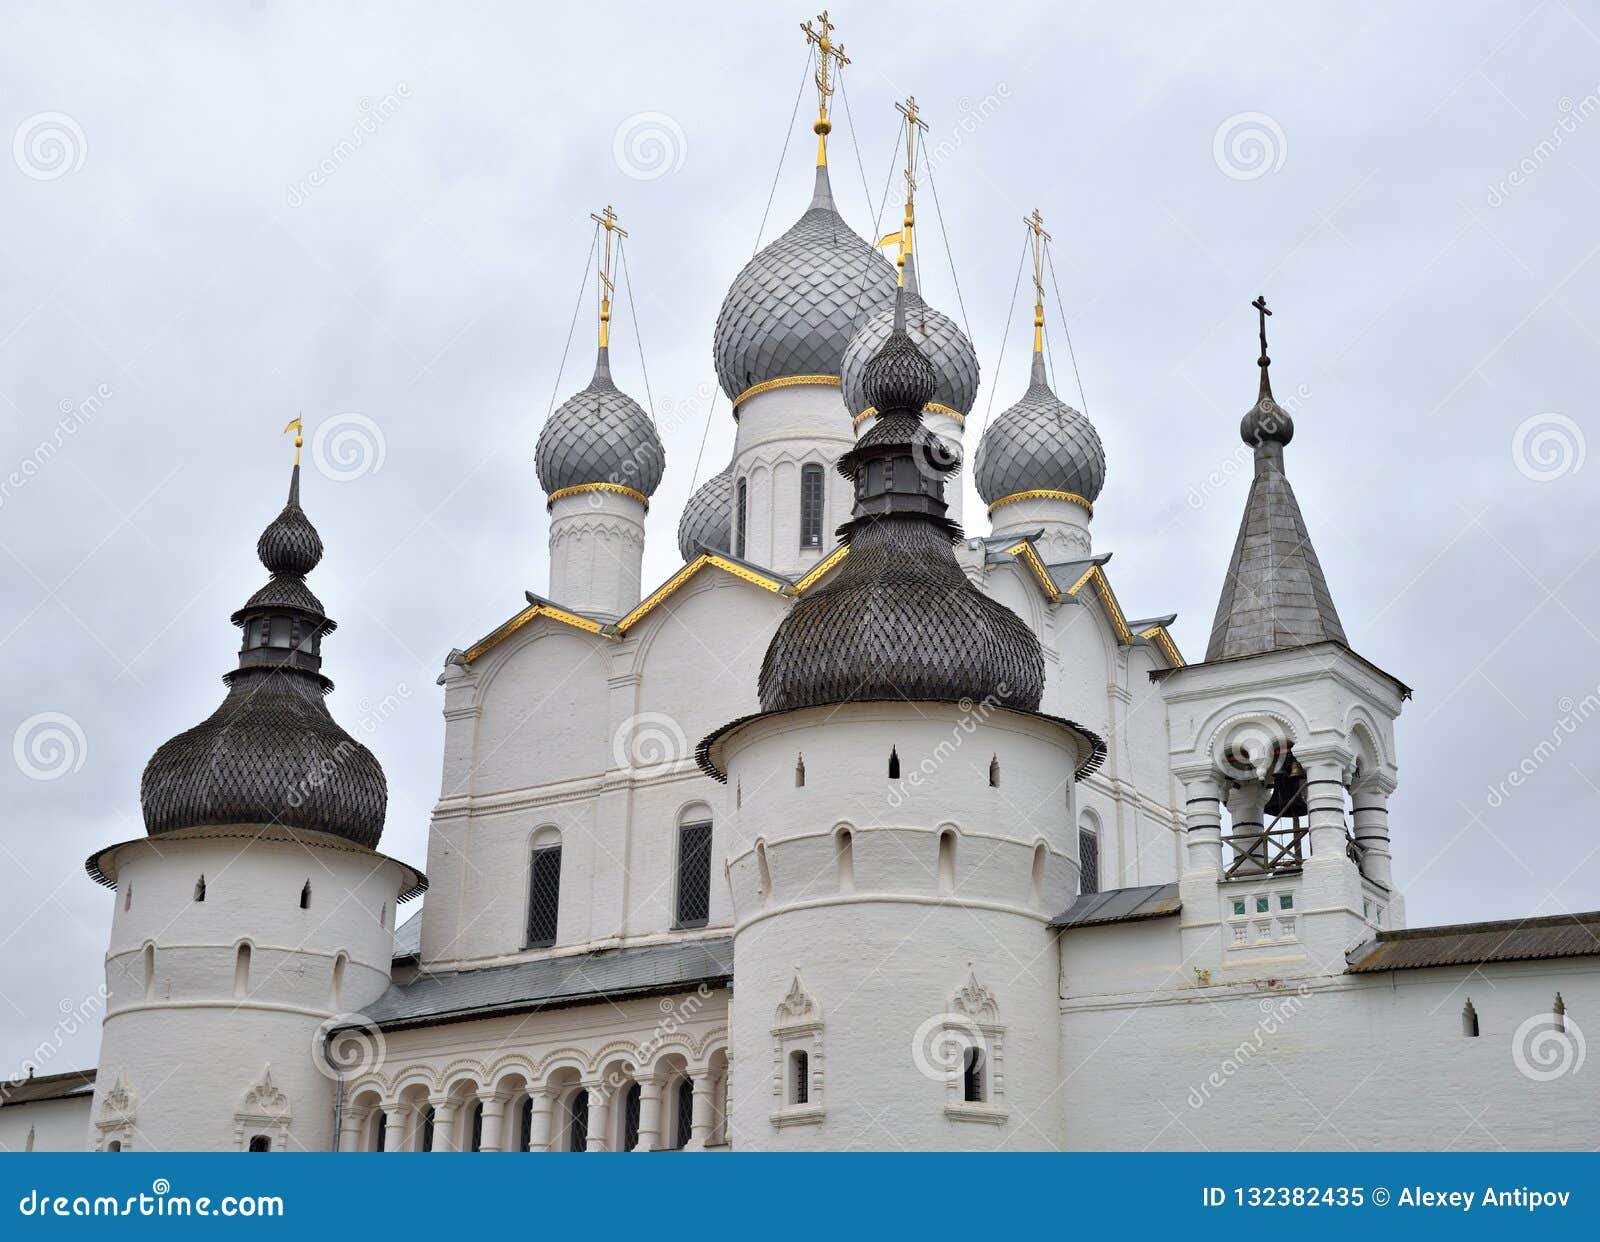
552	983
1468	944
1120	905
32	1089
408	937
1040	444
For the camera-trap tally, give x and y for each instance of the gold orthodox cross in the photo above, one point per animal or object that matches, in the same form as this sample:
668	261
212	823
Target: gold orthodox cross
830	58
608	221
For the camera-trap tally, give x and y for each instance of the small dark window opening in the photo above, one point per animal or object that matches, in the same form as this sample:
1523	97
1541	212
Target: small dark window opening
260	1142
894	764
305	896
972	1076
380	1137
477	1127
200	889
427	1128
114	1145
525	1124
800	1078
811	506
1560	1012
694	875
800	772
740	516
578	1126
994	771
127	897
1088	861
1469	1020
685	1118
544	896
632	1103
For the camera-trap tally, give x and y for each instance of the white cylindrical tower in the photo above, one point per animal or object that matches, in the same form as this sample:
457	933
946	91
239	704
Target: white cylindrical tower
257	908
903	834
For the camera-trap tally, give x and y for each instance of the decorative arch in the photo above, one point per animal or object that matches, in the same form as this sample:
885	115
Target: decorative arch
463	1069
797	1058
263	1112
1235	730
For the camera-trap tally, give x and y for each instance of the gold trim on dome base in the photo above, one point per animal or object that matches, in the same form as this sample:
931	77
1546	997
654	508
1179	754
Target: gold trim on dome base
933	407
1041	494
784	381
561	493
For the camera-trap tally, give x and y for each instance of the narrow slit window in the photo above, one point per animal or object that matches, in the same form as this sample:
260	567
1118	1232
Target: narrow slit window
544	896
799	1077
845	845
1469	1020
994	772
241	970
740	518
972	1076
800	772
1088	861
894	764
683	1130
947	861
632	1107
694	875
811	506
200	889
305	896
1559	1011
127	897
149	971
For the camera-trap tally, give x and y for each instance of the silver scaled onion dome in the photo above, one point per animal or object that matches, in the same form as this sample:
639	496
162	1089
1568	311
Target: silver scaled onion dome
271	754
707	522
1040	444
600	435
794	307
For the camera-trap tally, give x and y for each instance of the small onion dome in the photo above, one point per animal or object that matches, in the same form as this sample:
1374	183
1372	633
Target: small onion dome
796	304
899	620
706	520
271	753
955	362
1266	422
1040	444
600	435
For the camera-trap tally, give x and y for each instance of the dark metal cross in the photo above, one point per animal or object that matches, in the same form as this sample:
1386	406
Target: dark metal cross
1261	306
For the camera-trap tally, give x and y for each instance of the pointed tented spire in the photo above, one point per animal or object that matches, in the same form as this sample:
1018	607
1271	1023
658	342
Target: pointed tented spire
1274	596
822	194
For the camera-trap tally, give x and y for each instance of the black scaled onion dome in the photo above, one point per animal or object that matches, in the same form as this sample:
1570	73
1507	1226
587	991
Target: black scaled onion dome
899	620
271	753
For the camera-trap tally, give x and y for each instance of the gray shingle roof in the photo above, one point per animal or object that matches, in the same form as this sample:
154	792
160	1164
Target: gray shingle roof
32	1089
1040	444
553	982
600	435
1120	905
707	520
1469	944
955	362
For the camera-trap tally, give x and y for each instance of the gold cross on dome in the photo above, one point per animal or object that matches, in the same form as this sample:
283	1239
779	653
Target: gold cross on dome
608	221
1035	224
830	58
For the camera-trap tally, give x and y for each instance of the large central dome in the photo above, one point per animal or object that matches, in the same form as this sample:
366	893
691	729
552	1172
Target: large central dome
796	304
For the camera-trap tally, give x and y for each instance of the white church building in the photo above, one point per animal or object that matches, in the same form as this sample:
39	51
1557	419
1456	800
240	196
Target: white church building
875	825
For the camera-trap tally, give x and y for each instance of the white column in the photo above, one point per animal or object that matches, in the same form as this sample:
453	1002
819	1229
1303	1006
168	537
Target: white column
1246	807
1370	811
350	1127
650	1090
1325	801
539	1121
599	1113
494	1112
700	1116
1203	821
444	1122
394	1126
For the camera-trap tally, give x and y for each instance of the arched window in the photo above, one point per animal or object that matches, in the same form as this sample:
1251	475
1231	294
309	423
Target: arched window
741	515
844	844
972	1076
800	772
994	771
1041	858
114	1145
1469	1020
947	861
763	870
811	505
799	1077
544	890
1088	855
578	1120
632	1104
305	896
241	970
200	889
693	907
894	764
684	1127
260	1142
149	971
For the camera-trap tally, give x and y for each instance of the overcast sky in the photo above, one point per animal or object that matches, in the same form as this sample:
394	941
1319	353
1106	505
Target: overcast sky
217	215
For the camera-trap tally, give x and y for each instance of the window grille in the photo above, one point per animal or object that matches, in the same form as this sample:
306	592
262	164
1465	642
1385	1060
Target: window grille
972	1076
811	506
477	1128
631	1105
525	1124
578	1130
1088	861
685	1117
740	518
694	875
544	896
800	1063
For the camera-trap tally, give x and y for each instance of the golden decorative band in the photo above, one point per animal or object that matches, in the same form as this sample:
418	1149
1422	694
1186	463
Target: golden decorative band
933	407
561	493
1041	494
785	381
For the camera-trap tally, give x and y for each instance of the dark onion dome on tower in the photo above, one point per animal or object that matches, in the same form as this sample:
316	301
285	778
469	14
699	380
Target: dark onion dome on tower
899	621
271	753
600	438
707	520
1041	446
793	309
955	362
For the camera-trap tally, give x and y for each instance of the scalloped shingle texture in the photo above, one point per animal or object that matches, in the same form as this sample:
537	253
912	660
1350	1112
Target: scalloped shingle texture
955	362
707	519
600	435
794	307
1040	444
